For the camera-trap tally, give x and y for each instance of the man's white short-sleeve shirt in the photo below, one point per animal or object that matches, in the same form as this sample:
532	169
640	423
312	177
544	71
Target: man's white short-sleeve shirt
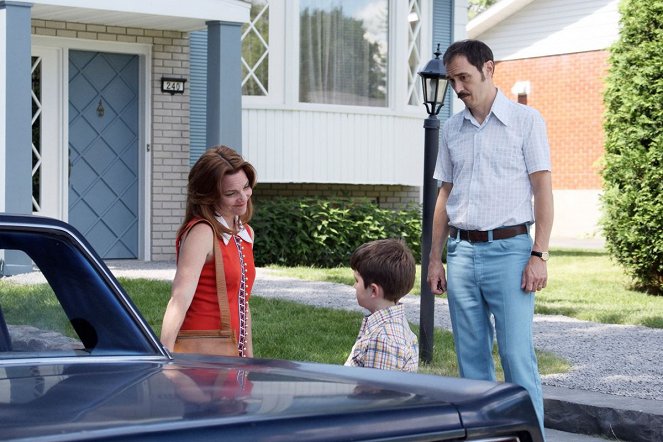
489	165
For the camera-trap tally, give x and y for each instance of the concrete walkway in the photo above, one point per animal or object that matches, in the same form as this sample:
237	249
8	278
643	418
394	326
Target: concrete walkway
621	401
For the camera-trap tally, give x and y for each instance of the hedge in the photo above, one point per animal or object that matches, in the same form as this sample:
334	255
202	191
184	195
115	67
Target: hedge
633	172
324	232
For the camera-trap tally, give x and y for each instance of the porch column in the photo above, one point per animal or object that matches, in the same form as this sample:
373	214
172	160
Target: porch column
224	84
15	120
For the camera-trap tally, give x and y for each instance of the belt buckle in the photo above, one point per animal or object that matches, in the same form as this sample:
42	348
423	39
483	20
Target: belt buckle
476	236
472	237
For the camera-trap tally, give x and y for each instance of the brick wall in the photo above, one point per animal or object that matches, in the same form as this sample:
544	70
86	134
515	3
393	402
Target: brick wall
568	91
385	196
170	141
170	120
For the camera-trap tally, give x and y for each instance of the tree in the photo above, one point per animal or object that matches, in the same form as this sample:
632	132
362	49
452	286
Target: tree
476	7
633	171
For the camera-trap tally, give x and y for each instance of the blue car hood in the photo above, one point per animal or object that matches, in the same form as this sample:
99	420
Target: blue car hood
250	399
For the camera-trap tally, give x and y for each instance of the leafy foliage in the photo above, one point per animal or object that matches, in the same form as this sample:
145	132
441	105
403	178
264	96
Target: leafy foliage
325	232
476	7
633	172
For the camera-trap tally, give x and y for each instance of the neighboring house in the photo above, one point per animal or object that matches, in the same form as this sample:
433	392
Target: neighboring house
109	138
102	144
553	56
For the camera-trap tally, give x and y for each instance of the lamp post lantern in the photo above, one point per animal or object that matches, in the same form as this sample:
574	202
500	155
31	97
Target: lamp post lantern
434	83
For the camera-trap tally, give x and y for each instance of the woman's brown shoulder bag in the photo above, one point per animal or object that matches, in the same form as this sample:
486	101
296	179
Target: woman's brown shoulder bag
212	342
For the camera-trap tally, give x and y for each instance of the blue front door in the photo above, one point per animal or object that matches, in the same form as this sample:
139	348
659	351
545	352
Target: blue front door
103	151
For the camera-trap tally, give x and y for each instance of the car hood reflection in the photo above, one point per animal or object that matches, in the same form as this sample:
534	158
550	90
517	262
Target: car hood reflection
51	399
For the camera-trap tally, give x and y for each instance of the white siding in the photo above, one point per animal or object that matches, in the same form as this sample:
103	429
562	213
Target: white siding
308	146
551	27
460	23
460	20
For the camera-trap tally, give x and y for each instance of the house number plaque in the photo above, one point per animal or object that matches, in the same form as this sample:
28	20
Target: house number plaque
172	85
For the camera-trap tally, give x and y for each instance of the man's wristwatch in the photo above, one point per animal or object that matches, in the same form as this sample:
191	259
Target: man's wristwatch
543	255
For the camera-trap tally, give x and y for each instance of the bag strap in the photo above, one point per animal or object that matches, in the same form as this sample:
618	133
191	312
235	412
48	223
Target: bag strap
221	292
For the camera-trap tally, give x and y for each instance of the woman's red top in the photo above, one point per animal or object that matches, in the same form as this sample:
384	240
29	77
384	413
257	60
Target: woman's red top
203	313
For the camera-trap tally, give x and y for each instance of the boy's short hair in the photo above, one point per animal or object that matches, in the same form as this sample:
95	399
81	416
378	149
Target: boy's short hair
388	263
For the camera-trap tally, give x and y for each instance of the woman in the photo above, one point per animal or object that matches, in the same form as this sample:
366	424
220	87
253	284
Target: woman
219	195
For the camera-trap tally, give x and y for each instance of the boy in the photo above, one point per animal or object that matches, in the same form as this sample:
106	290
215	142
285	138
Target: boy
384	272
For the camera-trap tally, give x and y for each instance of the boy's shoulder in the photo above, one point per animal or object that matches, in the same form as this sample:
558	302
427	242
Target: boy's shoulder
393	325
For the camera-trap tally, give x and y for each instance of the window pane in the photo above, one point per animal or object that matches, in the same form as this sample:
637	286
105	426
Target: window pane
36	134
343	52
255	50
414	52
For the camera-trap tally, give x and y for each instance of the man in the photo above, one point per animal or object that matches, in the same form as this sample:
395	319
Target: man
494	158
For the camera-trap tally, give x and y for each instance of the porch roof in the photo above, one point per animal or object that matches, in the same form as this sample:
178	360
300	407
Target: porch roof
174	15
490	17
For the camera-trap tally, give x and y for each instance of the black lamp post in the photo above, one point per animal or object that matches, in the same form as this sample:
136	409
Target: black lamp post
435	82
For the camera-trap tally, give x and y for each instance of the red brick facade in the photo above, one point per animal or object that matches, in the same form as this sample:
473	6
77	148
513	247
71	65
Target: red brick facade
568	91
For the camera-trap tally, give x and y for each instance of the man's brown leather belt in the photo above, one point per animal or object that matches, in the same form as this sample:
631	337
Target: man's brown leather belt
482	235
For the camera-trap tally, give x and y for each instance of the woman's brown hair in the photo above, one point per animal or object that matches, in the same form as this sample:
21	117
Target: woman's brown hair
204	187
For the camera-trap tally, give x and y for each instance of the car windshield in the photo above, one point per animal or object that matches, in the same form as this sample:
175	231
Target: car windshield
69	306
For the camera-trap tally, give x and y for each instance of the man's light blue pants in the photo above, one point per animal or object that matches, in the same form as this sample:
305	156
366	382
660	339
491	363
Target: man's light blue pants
483	279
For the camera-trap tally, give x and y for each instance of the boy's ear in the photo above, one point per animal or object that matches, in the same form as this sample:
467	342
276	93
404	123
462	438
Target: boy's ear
376	291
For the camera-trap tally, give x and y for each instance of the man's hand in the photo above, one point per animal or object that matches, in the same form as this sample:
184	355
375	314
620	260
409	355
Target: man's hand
437	279
535	275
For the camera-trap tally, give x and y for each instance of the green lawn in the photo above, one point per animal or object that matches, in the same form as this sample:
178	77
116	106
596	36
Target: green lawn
281	329
583	284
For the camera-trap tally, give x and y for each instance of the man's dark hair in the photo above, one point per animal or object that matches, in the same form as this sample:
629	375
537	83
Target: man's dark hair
388	263
476	52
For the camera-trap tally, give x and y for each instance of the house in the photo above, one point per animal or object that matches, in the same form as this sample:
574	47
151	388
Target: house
331	96
104	142
553	56
123	101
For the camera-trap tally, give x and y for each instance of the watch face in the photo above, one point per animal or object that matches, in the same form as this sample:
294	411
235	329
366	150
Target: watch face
545	256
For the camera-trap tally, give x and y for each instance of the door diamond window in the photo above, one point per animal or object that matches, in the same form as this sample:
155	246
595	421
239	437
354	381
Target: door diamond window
414	52
255	50
36	134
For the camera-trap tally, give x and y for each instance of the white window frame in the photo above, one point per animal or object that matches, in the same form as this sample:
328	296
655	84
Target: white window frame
284	65
54	156
276	54
426	49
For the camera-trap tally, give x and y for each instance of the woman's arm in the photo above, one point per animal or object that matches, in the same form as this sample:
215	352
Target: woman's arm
195	250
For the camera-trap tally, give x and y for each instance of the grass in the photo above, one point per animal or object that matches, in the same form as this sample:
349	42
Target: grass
588	285
281	329
151	298
34	305
583	284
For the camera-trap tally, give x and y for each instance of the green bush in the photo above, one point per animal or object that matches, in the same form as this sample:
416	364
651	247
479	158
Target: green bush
325	232
633	172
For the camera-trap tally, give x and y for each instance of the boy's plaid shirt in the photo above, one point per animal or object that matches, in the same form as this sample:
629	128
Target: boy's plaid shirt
385	341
